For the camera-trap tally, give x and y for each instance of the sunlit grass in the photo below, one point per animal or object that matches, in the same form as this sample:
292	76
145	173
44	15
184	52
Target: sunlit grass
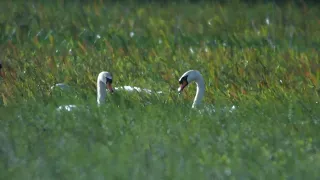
262	58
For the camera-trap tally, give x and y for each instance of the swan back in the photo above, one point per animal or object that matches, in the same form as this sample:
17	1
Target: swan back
61	86
136	89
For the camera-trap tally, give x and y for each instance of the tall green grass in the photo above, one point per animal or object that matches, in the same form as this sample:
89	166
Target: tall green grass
263	58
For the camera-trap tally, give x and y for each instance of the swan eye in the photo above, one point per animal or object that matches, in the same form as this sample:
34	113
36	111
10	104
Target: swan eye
109	81
185	78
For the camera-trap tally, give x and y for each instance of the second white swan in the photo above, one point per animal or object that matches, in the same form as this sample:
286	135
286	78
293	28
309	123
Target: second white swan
194	75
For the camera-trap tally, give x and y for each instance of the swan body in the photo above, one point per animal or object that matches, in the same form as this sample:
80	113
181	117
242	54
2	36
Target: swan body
61	86
188	77
137	89
67	107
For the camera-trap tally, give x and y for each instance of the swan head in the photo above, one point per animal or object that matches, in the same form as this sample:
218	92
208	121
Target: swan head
187	78
106	78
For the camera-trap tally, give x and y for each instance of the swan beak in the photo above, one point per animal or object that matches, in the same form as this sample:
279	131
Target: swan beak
109	86
182	86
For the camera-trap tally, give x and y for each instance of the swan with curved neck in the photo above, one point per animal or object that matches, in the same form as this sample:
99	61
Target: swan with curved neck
104	81
186	79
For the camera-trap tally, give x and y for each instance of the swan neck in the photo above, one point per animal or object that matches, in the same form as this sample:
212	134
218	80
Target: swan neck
101	92
200	91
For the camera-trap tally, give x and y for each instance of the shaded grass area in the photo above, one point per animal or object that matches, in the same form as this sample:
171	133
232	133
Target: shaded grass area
262	58
161	141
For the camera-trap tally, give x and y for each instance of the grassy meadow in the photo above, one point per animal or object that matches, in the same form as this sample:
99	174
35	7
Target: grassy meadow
263	58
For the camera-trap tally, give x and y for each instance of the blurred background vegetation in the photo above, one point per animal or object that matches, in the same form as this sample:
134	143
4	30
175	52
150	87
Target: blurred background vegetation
241	48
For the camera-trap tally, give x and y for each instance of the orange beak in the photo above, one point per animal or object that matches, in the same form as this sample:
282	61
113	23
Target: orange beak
182	86
109	86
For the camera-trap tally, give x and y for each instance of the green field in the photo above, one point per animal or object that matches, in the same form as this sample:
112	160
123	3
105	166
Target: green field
262	58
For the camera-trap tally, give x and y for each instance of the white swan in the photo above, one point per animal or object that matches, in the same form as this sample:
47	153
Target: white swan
104	81
188	77
194	75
